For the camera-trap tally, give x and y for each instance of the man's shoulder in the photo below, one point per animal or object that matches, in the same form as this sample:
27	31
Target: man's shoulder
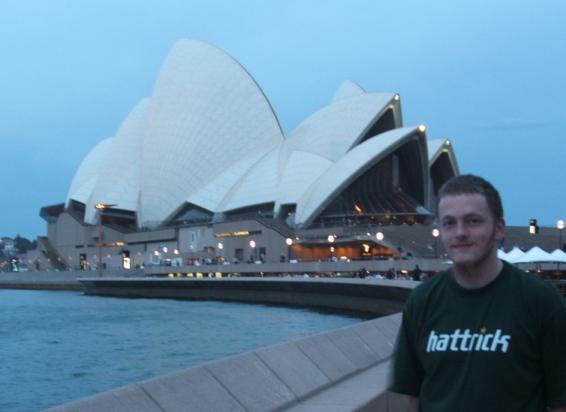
430	286
528	280
530	286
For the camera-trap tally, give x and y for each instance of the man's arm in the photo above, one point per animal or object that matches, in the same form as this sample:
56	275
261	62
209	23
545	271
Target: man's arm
407	372
414	404
554	354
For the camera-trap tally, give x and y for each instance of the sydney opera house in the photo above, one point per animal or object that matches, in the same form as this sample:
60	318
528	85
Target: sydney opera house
202	169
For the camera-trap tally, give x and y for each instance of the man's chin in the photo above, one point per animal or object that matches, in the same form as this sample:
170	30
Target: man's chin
464	260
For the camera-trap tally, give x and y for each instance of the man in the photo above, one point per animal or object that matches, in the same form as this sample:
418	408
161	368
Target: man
484	335
417	273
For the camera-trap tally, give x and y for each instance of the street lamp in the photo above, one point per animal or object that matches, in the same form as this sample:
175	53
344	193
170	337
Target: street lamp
252	245
379	236
100	207
435	234
560	226
221	249
289	243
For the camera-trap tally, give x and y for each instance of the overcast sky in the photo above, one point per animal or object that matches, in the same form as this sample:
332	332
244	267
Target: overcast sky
489	75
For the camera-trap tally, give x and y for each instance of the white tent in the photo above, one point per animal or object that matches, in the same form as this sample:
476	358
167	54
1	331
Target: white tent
535	255
559	256
502	255
512	255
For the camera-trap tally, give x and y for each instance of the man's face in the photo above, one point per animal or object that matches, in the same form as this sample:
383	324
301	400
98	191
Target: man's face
468	230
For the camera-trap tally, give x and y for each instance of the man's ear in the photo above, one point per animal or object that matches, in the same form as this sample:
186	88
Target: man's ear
499	228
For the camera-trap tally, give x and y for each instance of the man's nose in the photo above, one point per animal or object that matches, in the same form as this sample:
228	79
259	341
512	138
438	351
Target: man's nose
461	229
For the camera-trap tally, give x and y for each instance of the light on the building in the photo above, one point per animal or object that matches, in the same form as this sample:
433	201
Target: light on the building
533	227
289	241
331	238
379	236
435	232
422	128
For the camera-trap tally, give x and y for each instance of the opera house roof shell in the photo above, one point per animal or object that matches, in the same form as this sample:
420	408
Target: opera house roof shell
208	143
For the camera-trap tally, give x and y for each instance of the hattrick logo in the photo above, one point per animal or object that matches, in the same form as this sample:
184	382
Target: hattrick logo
467	341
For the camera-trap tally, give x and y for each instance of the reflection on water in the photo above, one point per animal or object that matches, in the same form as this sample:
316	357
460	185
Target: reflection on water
60	346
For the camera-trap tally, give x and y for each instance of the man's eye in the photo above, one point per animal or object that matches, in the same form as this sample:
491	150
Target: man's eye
447	224
474	221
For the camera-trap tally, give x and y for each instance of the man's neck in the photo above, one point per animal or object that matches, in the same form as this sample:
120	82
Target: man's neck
478	275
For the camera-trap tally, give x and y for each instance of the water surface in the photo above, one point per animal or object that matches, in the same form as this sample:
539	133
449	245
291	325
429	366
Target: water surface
59	346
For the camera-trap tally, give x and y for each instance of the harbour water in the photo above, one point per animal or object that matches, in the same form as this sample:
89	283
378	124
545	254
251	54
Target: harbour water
59	346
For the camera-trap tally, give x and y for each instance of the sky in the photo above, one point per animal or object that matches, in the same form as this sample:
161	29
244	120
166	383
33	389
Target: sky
489	75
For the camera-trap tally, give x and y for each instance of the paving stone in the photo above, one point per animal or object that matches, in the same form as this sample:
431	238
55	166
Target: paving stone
389	327
369	332
363	391
191	390
354	348
252	383
294	368
326	355
130	398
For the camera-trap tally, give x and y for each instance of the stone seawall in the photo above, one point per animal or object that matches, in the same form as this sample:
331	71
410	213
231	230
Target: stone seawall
42	280
377	297
55	280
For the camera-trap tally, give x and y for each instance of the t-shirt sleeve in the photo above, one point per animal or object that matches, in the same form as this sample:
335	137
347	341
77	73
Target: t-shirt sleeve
554	356
407	372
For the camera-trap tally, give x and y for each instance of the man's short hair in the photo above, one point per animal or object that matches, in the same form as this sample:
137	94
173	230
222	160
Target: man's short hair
470	184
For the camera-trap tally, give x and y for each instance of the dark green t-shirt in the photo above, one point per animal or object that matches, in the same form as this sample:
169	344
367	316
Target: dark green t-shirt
498	348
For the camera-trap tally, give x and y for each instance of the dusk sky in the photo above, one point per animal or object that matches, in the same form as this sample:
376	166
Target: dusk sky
489	75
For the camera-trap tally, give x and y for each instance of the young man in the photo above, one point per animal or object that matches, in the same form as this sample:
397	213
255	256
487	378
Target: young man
484	335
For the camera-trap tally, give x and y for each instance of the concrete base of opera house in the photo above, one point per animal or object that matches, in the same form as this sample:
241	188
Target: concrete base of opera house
372	296
341	370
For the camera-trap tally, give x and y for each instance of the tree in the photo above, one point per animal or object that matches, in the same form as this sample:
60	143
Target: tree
22	244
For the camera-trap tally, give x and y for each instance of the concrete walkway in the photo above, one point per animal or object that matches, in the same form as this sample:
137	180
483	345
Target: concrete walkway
357	393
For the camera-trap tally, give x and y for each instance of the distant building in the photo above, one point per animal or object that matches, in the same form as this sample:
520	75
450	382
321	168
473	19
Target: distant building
201	169
8	245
